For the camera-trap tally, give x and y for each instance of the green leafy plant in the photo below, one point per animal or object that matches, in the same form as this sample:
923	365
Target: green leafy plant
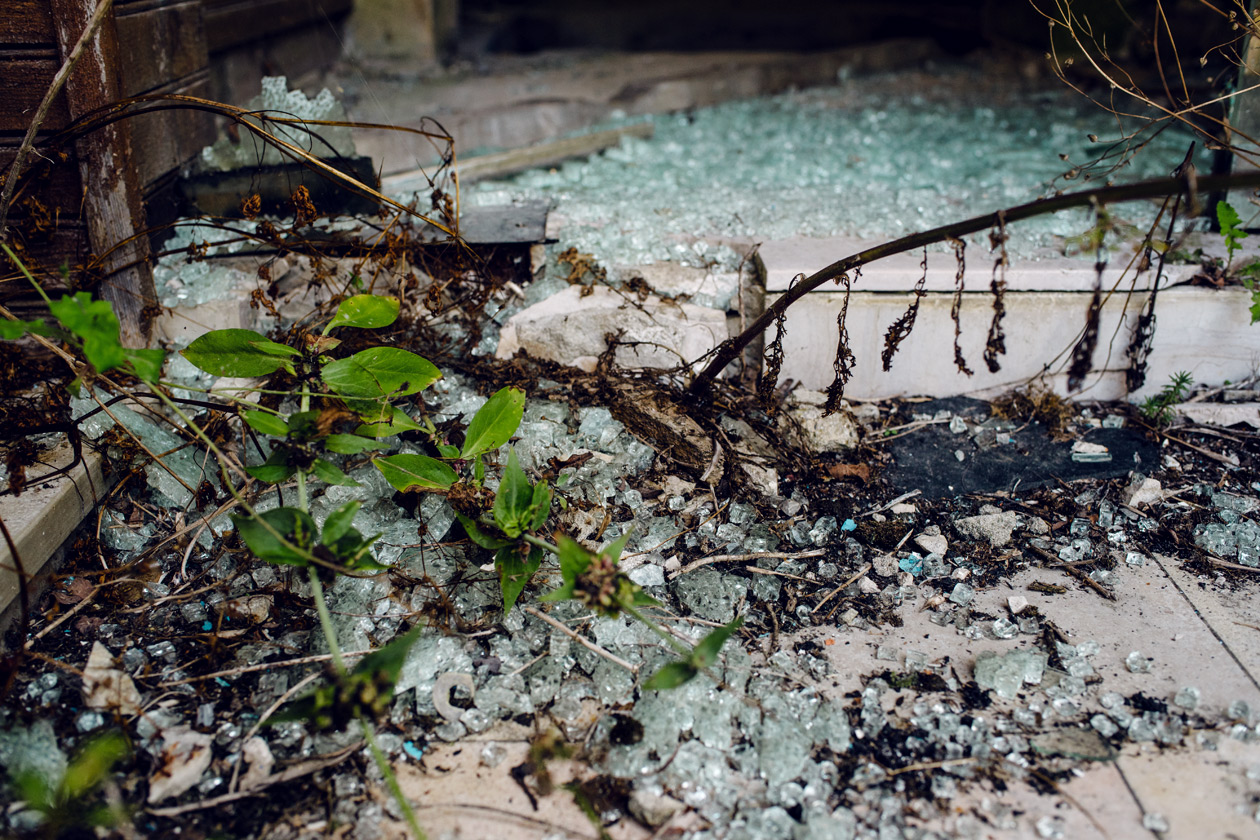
346	407
69	802
1228	219
1159	408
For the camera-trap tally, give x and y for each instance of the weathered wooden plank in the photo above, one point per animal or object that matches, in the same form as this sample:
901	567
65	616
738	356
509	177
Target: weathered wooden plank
112	206
23	82
230	23
165	140
44	254
160	45
498	164
27	22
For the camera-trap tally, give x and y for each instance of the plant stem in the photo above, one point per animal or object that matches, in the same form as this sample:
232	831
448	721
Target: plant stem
391	780
305	405
633	612
325	619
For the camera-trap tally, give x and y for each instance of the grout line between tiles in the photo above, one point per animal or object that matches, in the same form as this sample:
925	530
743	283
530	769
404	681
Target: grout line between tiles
1206	623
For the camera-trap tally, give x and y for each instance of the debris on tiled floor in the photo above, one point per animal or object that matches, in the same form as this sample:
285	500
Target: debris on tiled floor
961	619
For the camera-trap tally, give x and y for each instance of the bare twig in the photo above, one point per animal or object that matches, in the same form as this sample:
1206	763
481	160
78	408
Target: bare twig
297	771
866	568
265	666
747	558
583	641
1080	575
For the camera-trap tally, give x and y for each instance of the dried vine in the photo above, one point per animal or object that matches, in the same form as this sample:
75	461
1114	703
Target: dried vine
955	309
1154	188
1083	352
898	330
845	359
768	378
995	344
1139	349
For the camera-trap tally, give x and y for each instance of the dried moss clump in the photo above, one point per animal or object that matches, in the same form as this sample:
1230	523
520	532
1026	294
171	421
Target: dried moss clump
1038	403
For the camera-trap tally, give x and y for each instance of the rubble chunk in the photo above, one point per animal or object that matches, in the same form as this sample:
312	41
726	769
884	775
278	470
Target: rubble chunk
571	328
995	528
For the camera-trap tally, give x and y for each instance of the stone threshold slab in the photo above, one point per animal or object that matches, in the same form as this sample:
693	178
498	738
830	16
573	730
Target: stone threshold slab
43	517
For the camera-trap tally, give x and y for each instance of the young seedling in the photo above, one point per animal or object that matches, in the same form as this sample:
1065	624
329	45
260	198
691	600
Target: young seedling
1159	408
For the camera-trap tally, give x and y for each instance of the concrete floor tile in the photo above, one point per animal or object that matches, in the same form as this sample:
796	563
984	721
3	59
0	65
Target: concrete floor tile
1201	793
456	795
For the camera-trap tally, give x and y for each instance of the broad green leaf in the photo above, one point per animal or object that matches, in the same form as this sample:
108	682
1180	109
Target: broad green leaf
642	599
350	444
409	470
339	521
574	559
1228	219
13	330
380	419
367	311
448	451
388	661
330	473
511	502
265	422
394	423
272	473
614	548
379	373
705	653
514	572
91	764
239	353
479	536
146	363
495	422
93	321
539	507
263	535
276	468
672	675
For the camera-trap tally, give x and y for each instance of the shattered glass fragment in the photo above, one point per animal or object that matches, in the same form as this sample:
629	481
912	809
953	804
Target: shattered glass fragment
1137	663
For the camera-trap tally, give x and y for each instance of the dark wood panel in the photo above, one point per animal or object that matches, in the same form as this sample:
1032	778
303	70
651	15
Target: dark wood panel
27	22
157	46
164	140
56	185
67	245
230	23
23	82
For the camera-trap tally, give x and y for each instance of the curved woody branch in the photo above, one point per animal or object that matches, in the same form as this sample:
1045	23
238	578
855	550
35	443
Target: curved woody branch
1190	186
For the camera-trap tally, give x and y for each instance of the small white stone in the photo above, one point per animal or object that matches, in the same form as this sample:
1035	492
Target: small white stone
932	544
867	586
885	565
1016	604
1147	491
961	573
